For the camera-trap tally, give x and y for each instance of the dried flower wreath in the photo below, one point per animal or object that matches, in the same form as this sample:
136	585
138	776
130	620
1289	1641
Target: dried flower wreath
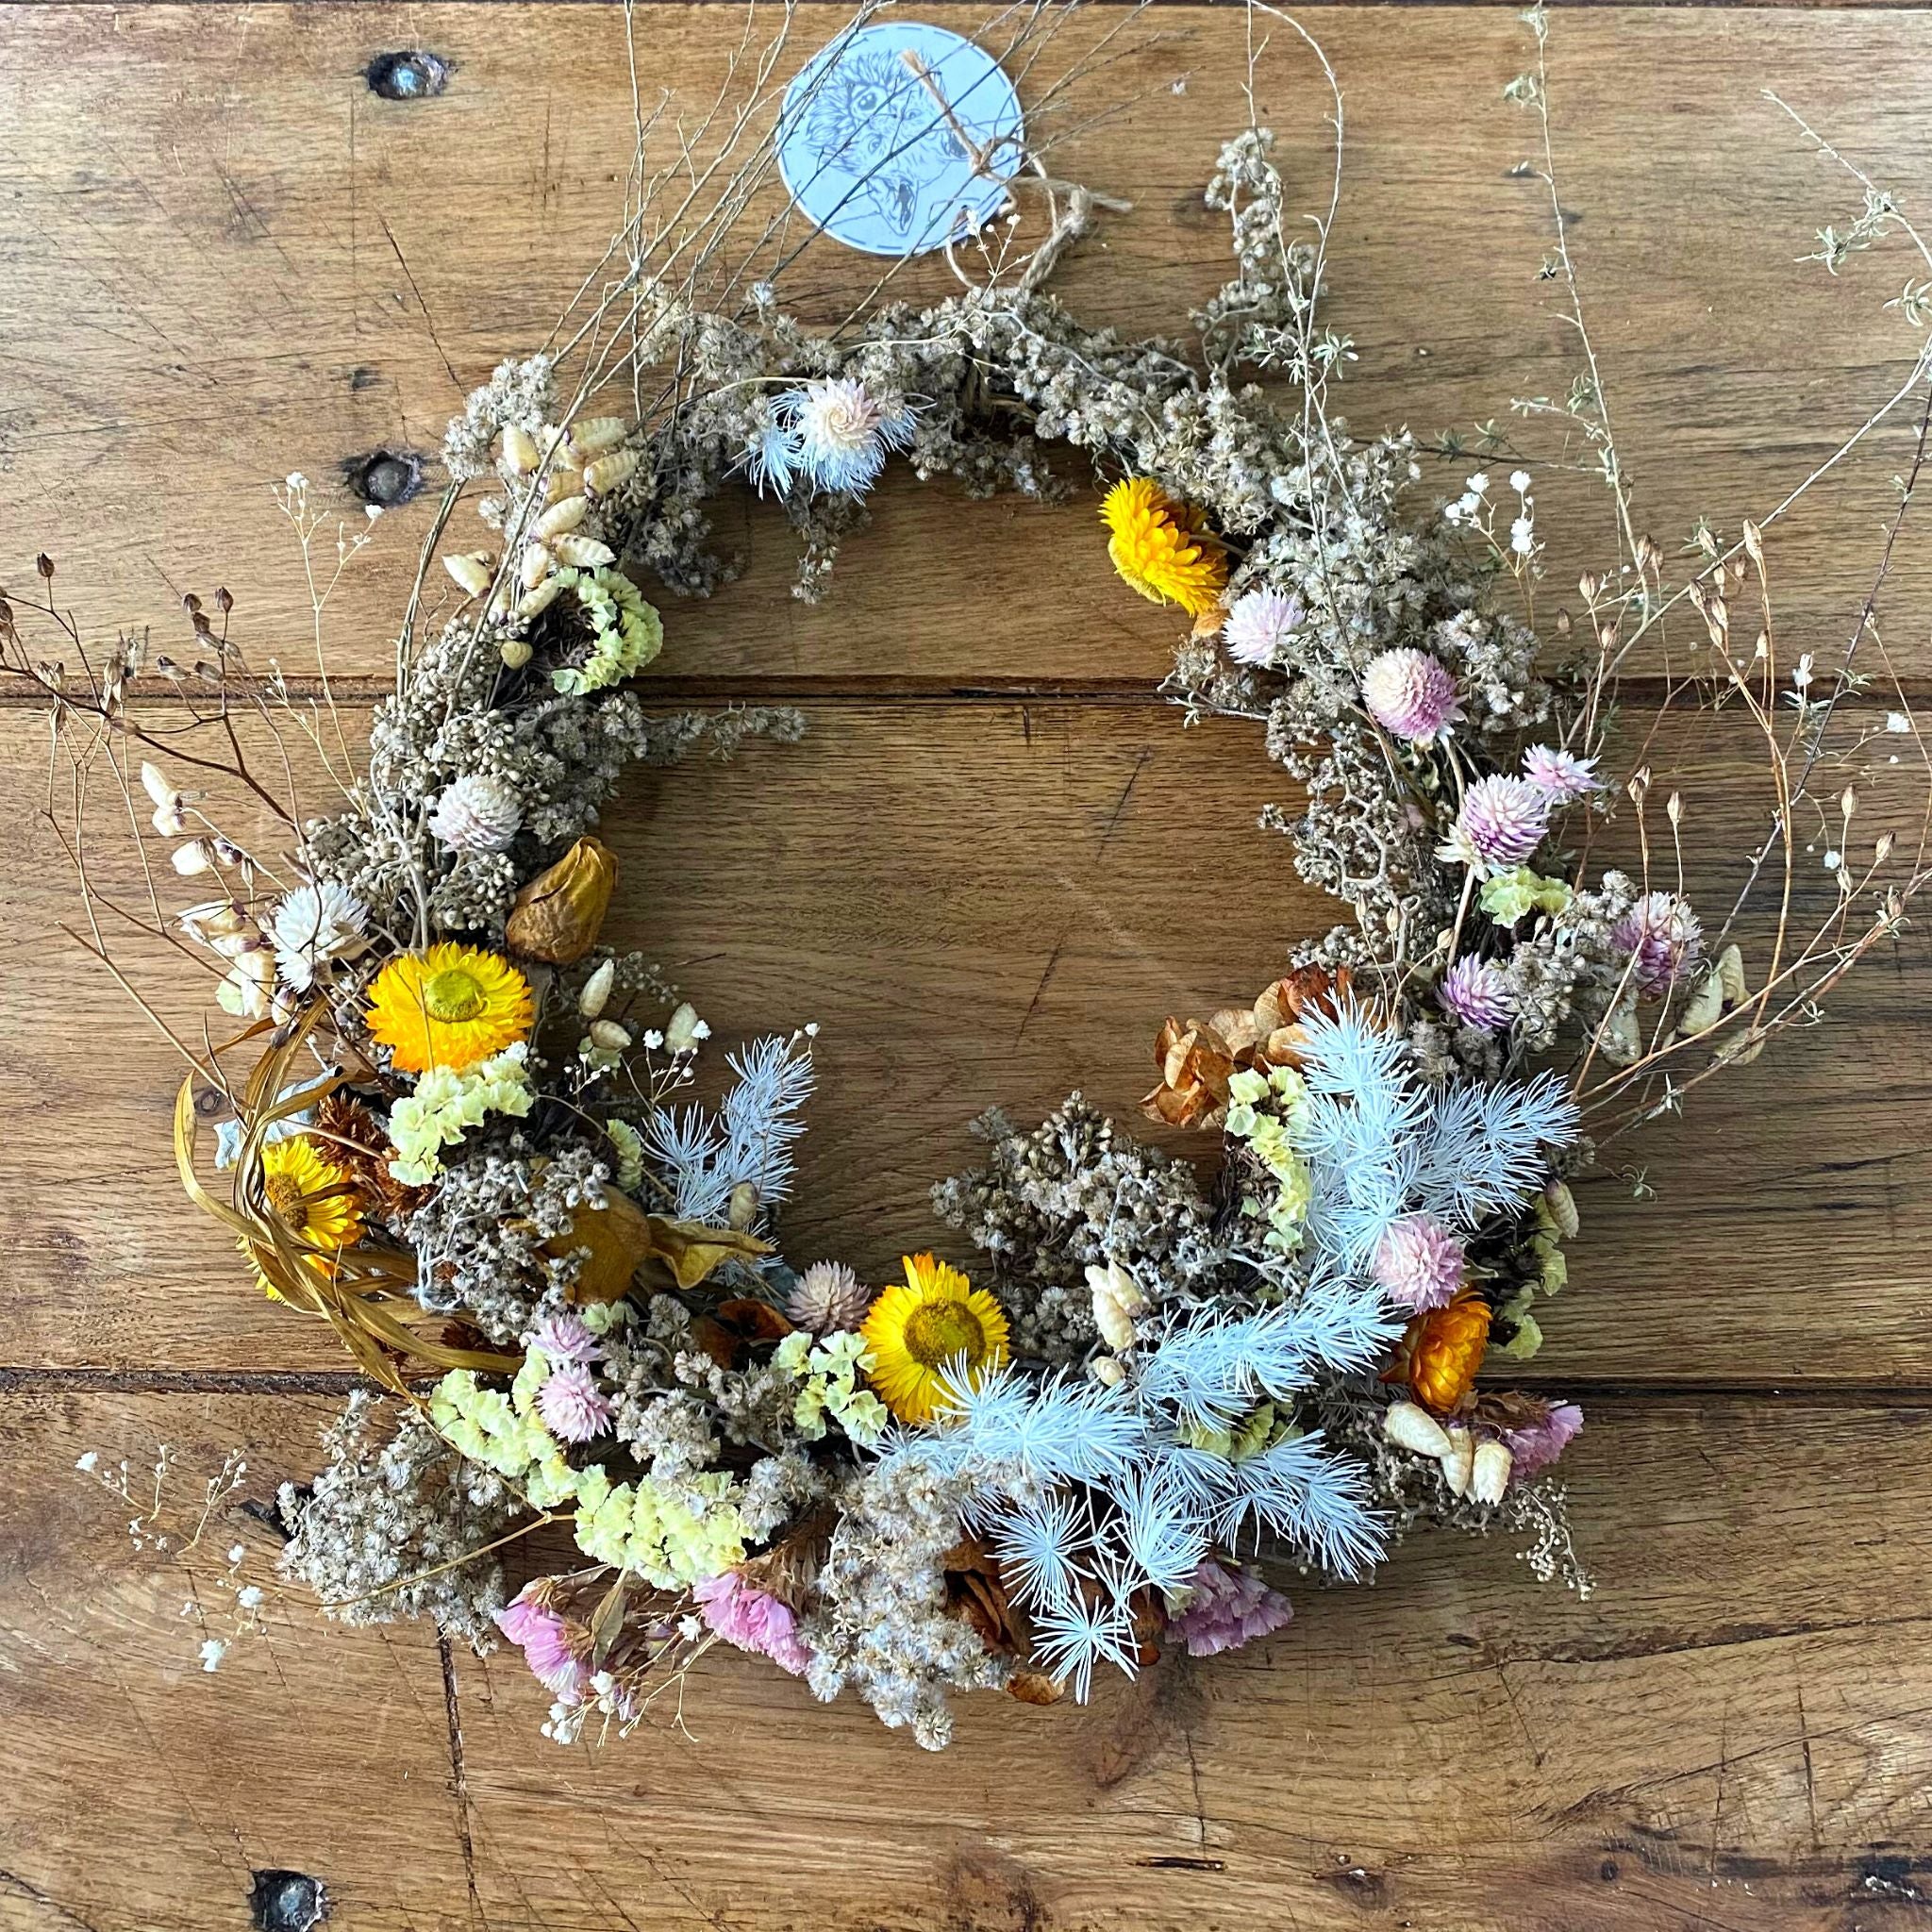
460	1131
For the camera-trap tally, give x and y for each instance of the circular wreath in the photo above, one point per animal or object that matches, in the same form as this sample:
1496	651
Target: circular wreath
470	1138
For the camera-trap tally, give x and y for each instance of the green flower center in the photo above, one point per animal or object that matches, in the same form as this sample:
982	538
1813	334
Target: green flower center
940	1332
452	994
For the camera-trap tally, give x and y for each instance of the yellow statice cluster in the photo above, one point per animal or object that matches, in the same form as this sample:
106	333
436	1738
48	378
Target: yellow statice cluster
670	1535
1262	1111
1508	895
828	1372
447	1104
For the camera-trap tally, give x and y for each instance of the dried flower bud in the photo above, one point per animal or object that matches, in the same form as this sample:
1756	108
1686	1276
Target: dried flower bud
535	603
1673	808
595	434
557	916
520	453
1108	1372
534	565
515	654
1117	1299
1410	1426
562	516
157	787
607	473
44	564
472	572
1489	1470
1882	850
596	992
607	1035
586	553
1458	1464
1848	801
193	858
682	1034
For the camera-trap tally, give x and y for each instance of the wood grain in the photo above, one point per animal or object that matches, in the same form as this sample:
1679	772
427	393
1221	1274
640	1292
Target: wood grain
979	903
257	266
1730	1731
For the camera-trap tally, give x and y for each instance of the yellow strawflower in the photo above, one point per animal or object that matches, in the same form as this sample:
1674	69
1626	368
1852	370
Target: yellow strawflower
914	1333
315	1199
450	1007
1162	548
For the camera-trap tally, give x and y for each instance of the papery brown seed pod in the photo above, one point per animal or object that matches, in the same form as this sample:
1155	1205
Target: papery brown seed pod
1034	1686
557	916
618	1236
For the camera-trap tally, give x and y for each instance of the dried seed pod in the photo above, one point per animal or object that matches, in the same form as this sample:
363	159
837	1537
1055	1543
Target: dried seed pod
1489	1470
585	552
556	917
597	989
595	434
472	572
534	565
563	515
515	654
520	452
1459	1466
534	602
1562	1205
1410	1426
607	473
607	1035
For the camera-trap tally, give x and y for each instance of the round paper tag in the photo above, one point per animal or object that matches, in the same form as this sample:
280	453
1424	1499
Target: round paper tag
894	158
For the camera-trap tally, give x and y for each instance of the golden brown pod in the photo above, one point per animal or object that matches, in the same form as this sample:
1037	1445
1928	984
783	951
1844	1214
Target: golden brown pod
557	916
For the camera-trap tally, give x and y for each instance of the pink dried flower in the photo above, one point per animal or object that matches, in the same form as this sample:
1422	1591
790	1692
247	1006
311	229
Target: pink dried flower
751	1620
1475	992
550	1646
827	1299
572	1406
1228	1608
1558	775
565	1337
1532	1449
1410	693
1418	1263
1260	626
1664	939
1502	821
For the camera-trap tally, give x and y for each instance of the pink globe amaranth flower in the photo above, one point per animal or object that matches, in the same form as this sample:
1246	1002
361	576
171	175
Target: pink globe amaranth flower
573	1408
1418	1263
1228	1608
1502	821
1259	625
1535	1447
1412	695
565	1337
1558	776
751	1619
1474	993
547	1642
1663	937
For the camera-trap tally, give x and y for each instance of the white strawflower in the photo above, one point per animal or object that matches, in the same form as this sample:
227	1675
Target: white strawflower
476	813
313	926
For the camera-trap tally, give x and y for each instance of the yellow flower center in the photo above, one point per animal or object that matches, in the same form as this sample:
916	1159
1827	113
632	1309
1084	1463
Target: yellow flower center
452	994
285	1199
940	1332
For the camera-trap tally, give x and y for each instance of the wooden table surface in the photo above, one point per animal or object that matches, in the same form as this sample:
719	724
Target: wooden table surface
990	867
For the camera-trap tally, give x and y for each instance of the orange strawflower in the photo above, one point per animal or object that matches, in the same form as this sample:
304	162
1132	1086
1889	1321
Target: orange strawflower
1441	1352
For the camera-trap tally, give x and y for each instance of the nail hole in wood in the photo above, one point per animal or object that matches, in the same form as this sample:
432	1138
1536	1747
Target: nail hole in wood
385	476
286	1902
413	75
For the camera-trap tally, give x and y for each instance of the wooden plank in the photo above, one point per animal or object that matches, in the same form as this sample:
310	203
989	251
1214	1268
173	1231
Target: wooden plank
253	265
1731	1731
989	903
